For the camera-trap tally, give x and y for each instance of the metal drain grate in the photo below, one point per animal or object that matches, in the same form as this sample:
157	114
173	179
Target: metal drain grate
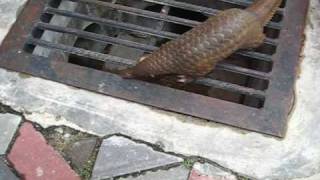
81	42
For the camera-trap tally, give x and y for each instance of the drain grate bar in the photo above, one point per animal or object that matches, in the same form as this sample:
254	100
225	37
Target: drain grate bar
143	13
97	37
240	70
202	9
186	6
256	55
112	23
80	51
157	16
231	87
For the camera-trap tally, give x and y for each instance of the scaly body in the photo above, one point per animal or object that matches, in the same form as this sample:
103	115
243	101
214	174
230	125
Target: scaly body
196	52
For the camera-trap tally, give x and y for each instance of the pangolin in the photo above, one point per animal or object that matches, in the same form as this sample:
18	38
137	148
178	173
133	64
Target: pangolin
196	52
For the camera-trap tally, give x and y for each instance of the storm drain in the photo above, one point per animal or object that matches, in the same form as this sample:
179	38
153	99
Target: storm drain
82	42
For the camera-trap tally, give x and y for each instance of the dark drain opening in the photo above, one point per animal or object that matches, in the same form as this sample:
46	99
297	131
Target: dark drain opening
250	63
88	45
196	16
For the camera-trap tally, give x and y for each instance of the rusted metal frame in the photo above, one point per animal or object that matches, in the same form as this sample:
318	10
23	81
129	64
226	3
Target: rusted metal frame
267	120
279	96
154	15
138	91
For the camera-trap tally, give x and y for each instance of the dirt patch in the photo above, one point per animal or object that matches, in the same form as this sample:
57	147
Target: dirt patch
62	139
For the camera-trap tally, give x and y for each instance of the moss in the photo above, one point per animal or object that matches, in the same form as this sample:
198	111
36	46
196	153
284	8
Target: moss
243	178
188	163
24	76
85	172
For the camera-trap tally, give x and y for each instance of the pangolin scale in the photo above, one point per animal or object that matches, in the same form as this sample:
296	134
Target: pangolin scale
196	52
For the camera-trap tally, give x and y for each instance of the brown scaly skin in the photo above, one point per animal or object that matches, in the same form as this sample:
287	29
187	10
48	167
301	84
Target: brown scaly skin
196	52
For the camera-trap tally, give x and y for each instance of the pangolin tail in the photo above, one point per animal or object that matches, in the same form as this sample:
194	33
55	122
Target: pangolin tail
264	9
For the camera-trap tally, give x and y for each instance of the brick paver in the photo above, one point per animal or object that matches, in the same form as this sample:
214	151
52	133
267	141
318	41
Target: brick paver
34	159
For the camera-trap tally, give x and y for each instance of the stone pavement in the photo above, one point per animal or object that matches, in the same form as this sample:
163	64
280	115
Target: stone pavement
208	151
37	154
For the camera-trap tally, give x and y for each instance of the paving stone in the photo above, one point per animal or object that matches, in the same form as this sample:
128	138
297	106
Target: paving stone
34	159
176	173
5	172
80	151
8	126
209	172
119	156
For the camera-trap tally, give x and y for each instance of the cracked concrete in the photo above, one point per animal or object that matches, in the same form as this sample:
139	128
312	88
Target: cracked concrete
297	156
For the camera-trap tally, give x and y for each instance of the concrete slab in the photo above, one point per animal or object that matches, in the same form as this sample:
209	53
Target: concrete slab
120	156
251	154
8	126
176	173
